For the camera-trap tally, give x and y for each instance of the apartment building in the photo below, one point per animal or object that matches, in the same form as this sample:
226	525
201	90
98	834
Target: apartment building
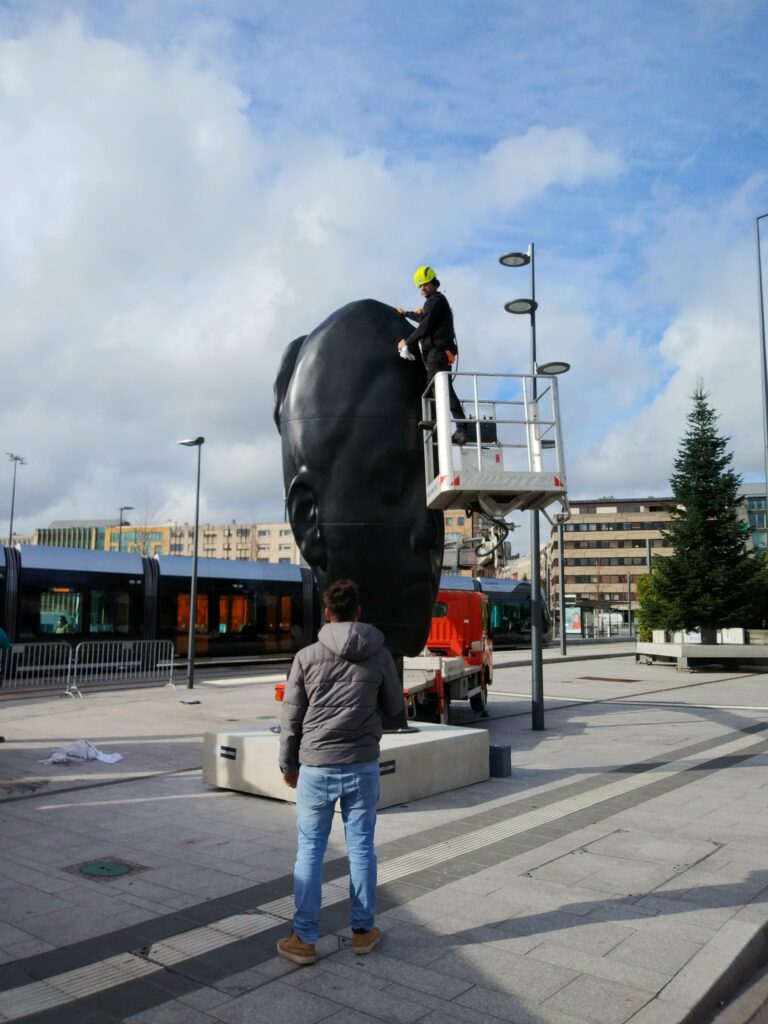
255	542
756	509
607	544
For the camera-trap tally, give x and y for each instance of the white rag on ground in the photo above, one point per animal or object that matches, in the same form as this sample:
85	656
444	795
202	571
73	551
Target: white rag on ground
80	750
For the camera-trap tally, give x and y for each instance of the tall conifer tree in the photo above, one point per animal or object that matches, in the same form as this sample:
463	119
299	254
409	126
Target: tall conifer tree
710	580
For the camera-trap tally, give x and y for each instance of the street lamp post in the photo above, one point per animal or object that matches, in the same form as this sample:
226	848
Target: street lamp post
522	259
198	443
16	460
529	306
561	583
763	368
123	508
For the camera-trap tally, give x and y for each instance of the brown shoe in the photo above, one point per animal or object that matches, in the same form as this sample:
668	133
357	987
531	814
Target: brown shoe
299	952
365	941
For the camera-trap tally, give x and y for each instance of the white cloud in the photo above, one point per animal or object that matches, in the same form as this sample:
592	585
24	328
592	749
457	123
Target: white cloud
704	262
158	250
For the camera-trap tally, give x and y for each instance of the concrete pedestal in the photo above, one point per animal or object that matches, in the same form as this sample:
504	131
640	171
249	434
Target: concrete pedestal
419	763
690	656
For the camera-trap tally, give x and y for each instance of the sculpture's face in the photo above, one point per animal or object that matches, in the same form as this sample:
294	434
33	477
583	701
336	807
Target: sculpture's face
354	471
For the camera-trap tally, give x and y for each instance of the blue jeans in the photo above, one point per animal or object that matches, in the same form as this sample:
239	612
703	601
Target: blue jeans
356	786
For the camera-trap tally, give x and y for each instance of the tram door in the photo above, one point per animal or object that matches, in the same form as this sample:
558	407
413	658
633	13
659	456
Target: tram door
276	615
233	614
202	624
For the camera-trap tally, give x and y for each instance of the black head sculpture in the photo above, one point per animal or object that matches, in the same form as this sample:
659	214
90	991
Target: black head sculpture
347	408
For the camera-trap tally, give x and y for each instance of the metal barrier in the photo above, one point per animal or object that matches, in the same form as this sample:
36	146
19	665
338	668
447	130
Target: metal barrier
36	666
40	666
121	661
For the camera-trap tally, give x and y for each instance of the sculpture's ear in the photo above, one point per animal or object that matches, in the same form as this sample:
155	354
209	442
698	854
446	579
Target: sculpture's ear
284	374
302	513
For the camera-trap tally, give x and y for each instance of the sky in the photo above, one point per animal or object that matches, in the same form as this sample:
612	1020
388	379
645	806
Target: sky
188	186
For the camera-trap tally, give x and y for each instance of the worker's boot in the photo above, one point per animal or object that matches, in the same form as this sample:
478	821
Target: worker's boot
295	949
363	942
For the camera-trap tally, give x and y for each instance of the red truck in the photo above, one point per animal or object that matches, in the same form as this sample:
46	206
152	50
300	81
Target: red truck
457	661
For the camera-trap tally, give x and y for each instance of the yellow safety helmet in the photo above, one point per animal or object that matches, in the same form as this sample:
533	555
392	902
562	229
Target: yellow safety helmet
423	276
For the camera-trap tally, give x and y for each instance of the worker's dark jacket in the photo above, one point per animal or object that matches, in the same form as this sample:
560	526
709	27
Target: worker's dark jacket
435	332
335	691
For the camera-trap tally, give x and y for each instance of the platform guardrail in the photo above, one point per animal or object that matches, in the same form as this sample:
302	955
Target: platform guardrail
512	456
37	666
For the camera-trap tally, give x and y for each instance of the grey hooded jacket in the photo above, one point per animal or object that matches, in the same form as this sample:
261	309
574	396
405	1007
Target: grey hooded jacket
335	691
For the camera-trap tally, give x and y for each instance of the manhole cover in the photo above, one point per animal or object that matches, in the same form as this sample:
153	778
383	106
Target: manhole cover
104	869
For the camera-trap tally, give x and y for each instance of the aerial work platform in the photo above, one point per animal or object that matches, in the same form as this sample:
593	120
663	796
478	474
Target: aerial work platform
514	461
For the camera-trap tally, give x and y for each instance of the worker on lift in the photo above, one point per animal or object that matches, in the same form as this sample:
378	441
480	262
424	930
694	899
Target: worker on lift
435	338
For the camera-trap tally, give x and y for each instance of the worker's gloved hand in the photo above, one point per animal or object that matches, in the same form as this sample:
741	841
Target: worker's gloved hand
400	310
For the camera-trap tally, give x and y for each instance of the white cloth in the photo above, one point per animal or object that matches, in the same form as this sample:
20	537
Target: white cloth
405	354
80	750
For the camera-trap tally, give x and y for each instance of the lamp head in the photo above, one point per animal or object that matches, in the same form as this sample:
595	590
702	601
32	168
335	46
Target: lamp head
193	442
515	259
521	306
554	368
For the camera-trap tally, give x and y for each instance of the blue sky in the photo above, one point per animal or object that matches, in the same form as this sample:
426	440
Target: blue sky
189	185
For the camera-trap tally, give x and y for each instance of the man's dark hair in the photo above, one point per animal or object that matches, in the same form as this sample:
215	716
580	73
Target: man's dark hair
342	599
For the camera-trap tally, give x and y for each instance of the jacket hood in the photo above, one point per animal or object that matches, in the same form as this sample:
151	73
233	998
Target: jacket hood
352	641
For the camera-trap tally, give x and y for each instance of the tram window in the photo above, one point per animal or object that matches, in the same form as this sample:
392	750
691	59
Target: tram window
59	610
110	611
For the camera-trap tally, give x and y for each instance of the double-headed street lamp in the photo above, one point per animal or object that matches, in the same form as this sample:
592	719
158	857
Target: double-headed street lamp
123	508
763	368
198	443
529	306
16	460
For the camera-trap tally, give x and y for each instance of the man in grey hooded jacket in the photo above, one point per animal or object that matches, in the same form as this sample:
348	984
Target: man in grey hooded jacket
329	751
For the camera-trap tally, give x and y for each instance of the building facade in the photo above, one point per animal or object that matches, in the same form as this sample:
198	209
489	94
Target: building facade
252	542
757	515
607	544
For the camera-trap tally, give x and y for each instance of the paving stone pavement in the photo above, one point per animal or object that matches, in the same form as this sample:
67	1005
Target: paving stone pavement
618	875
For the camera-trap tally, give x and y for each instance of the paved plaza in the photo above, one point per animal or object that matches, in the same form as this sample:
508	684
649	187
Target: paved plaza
619	874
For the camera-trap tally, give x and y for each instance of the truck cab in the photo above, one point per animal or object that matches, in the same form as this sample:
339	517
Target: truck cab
460	628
